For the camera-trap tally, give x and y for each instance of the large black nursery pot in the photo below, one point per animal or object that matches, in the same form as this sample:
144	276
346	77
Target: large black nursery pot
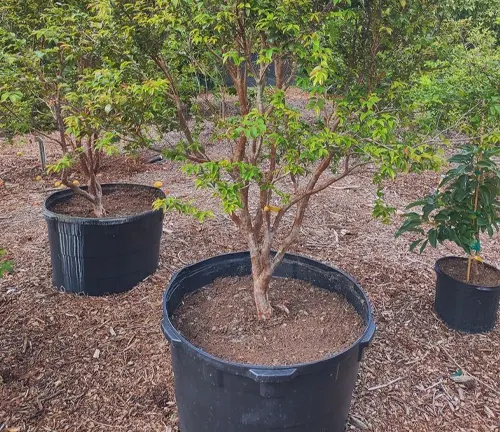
97	256
464	307
214	395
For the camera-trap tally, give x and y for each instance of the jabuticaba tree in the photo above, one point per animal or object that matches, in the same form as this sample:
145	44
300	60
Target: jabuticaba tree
275	160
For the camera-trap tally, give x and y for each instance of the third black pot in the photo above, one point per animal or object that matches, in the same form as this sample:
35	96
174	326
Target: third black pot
214	395
102	256
464	307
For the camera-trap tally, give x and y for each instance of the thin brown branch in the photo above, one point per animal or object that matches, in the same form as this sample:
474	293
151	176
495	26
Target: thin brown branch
336	179
316	189
77	190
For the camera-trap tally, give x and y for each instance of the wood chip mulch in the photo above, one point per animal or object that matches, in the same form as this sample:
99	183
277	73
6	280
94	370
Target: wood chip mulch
70	363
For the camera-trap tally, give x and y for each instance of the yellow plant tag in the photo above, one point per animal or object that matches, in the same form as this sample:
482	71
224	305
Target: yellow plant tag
272	208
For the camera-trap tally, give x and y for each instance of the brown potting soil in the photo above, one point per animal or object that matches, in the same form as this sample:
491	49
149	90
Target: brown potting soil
457	268
117	203
307	324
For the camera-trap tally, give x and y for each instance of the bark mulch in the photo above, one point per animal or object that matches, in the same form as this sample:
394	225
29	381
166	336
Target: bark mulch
72	363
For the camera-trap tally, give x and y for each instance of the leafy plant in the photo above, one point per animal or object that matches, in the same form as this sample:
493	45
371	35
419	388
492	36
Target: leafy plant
466	204
274	158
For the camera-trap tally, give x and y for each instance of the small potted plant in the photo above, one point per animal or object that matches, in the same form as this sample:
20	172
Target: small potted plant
103	238
466	204
267	162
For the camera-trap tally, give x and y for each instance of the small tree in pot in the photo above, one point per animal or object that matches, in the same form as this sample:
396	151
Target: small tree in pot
466	204
61	66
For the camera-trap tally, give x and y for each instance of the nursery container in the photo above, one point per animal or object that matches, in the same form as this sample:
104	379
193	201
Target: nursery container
217	395
464	307
97	256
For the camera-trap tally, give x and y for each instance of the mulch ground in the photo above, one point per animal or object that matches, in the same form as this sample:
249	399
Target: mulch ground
71	363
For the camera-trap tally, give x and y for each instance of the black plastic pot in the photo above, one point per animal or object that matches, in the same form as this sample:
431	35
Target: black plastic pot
214	395
464	307
102	256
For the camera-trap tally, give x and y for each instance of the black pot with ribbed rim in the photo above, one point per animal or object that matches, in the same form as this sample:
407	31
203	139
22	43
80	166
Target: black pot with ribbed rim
217	395
464	307
98	256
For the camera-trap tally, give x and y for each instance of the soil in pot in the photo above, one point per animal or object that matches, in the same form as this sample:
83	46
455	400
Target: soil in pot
457	269
117	202
308	323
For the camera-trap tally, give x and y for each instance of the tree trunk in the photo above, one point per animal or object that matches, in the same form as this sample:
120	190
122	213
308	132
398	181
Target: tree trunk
472	270
278	70
96	191
261	275
260	289
99	210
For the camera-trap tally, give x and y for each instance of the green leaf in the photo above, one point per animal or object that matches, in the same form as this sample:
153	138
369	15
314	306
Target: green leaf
460	194
415	244
486	164
417	203
460	158
432	234
482	222
485	195
6	267
171	203
442	216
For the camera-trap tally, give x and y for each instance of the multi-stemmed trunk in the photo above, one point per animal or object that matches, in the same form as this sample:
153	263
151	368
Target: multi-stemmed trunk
90	159
93	194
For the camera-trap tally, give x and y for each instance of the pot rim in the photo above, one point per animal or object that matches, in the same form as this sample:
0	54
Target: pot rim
440	272
174	336
49	214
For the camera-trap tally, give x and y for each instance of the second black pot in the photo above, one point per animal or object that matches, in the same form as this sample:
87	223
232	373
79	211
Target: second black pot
214	395
102	256
464	307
